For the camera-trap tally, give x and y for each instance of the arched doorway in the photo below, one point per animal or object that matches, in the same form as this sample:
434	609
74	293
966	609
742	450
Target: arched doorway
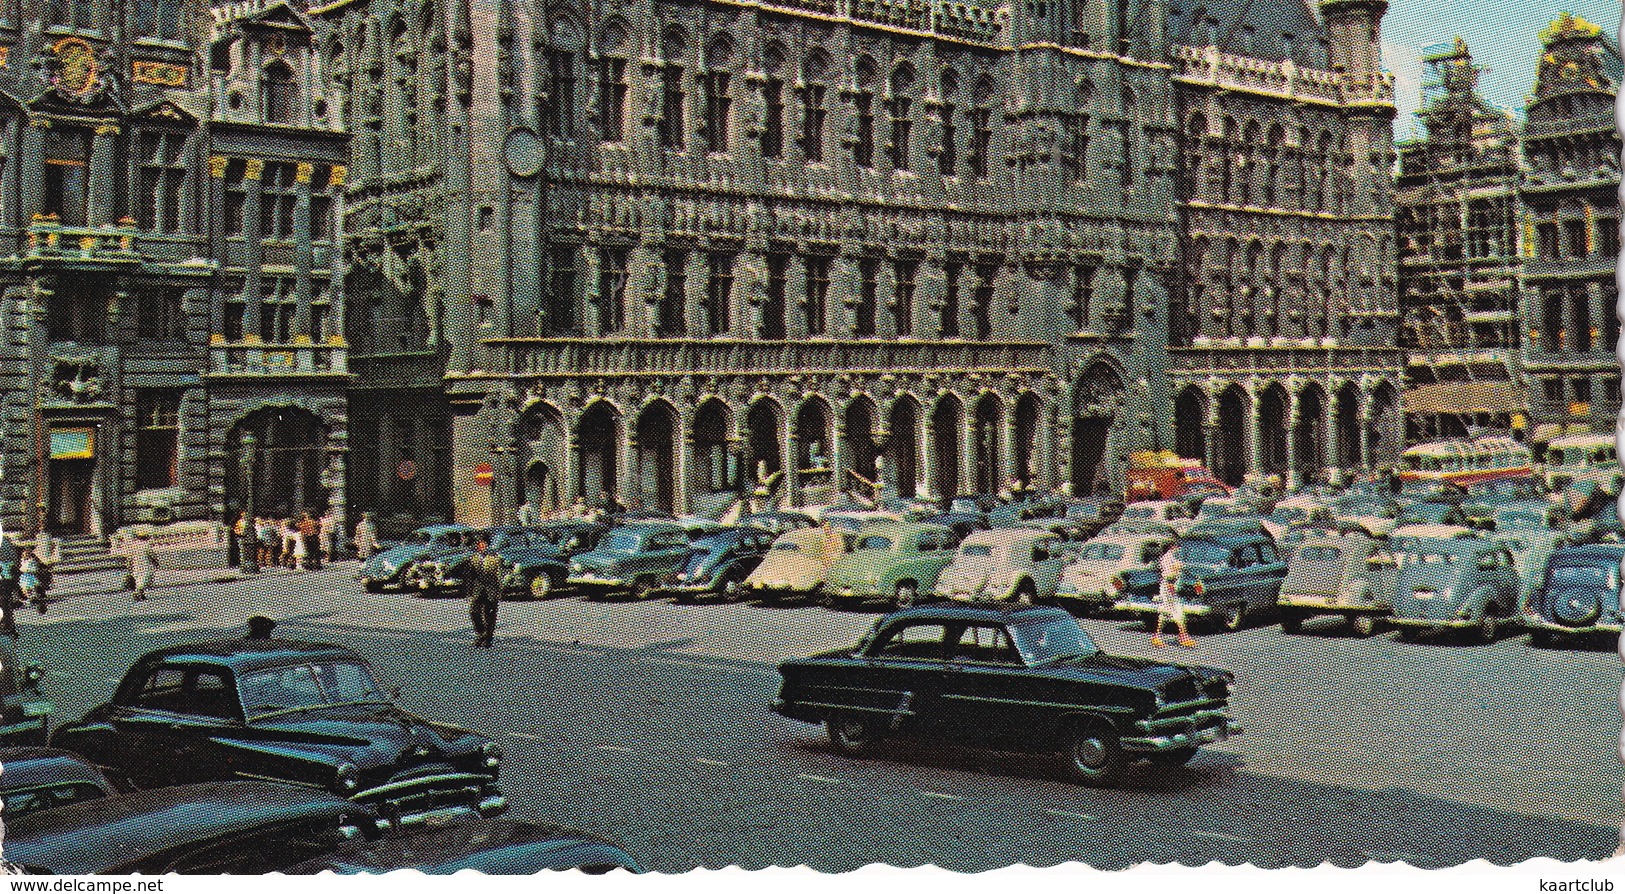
1231	435
1348	428
861	449
985	437
903	445
812	442
947	417
765	441
1309	440
712	470
290	454
1095	401
1026	445
1190	418
1273	419
656	456
597	435
544	441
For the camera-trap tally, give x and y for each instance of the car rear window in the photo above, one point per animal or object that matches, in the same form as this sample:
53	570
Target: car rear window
875	543
976	549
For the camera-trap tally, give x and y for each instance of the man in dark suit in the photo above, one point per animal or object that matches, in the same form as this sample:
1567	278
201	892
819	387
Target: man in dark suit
483	587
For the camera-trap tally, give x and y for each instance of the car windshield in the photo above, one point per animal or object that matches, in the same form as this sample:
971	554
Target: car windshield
1052	639
1431	558
1216	509
621	542
875	542
1101	552
1320	553
419	537
981	550
1140	512
29	800
308	685
1202	552
1585	576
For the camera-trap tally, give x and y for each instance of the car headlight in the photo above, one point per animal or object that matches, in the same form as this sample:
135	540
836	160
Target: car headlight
492	752
577	568
347	778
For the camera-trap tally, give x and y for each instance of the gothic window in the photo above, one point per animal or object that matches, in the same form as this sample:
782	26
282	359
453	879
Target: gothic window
773	126
234	308
817	294
1580	317
981	137
612	89
1551	325
1075	146
949	324
612	290
157	437
671	317
863	322
280	93
1125	131
719	289
901	124
1574	234
321	312
812	122
1581	388
671	107
162	315
162	178
863	150
717	111
277	309
773	307
1546	241
1608	236
236	196
561	117
561	293
66	187
948	154
1083	291
982	300
903	296
278	201
158	18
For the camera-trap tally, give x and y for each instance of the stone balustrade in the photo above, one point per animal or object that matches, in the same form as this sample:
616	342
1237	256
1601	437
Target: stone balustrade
1207	66
259	358
50	239
617	357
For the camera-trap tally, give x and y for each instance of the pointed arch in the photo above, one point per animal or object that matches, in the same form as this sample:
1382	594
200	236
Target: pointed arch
903	444
947	426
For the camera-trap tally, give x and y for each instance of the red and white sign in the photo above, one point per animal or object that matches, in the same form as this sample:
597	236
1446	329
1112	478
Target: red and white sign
407	470
483	474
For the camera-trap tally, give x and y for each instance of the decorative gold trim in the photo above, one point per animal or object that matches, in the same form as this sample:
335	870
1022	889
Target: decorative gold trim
163	74
337	177
107	130
303	172
217	166
253	169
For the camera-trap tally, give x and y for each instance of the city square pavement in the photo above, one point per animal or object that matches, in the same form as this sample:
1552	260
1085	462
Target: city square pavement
649	723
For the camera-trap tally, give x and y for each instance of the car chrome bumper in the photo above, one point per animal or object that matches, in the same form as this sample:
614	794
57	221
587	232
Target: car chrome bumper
1439	624
1330	607
1535	622
853	593
596	582
1207	735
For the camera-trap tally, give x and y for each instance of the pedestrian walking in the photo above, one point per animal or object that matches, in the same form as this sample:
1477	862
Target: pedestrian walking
327	528
143	564
48	550
1169	605
28	579
366	537
309	540
483	587
266	535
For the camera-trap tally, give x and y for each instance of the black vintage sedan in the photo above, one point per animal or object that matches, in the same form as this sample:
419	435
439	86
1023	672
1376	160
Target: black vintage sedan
1025	679
494	847
306	713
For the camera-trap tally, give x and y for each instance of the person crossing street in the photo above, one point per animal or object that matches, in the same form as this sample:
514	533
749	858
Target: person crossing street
143	564
484	591
1169	605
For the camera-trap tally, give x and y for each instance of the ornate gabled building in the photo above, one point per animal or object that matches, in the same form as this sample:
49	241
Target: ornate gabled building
671	251
168	226
1459	256
1569	197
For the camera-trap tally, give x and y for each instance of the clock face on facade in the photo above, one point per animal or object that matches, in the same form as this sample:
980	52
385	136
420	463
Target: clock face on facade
524	152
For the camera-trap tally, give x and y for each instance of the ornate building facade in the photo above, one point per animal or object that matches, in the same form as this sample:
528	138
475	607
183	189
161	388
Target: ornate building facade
1569	197
671	252
169	211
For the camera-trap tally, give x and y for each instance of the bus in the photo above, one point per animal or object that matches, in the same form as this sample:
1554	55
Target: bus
1467	461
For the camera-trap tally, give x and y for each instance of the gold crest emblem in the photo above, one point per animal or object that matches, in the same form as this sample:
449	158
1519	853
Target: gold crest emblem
77	70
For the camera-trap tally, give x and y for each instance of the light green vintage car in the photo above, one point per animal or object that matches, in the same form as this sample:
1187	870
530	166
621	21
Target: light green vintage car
891	561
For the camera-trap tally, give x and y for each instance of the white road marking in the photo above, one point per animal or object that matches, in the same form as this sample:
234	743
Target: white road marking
1053	812
1221	836
811	778
614	748
709	762
943	796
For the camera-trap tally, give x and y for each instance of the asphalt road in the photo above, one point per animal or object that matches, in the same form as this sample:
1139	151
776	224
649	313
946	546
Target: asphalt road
649	723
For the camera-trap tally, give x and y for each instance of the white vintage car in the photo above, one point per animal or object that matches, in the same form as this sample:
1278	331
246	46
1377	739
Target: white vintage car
1007	564
1087	581
1172	513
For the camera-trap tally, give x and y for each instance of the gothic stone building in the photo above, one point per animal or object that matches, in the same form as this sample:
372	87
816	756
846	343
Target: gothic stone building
169	211
1569	195
670	251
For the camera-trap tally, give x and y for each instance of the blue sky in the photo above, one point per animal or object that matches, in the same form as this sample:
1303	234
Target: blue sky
1502	34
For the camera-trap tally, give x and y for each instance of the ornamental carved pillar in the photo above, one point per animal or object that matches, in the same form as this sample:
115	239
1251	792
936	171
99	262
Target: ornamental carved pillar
103	176
1255	433
1294	478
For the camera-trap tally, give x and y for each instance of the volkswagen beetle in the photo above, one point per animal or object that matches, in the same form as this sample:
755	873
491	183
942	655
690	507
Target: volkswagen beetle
1006	564
1579	595
1459	583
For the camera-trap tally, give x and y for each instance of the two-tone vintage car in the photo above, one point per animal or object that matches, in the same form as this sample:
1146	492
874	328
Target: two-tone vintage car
1087	580
1353	576
718	564
633	559
1232	572
1579	595
890	561
493	847
1457	583
37	778
1004	564
798	562
1020	678
310	714
391	567
1583	458
534	559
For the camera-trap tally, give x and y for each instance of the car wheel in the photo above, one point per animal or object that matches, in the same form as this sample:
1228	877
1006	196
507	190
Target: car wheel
1093	754
850	734
1488	626
730	589
1177	757
1363	625
907	593
373	586
643	588
1233	617
1026	594
541	586
1291	622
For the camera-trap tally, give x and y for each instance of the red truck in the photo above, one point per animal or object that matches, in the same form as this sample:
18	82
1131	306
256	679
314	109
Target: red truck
1163	475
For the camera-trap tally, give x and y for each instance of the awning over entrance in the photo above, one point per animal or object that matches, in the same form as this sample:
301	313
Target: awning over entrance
1465	398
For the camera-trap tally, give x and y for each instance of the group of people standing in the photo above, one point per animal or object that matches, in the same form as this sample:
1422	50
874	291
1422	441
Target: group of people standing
302	542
